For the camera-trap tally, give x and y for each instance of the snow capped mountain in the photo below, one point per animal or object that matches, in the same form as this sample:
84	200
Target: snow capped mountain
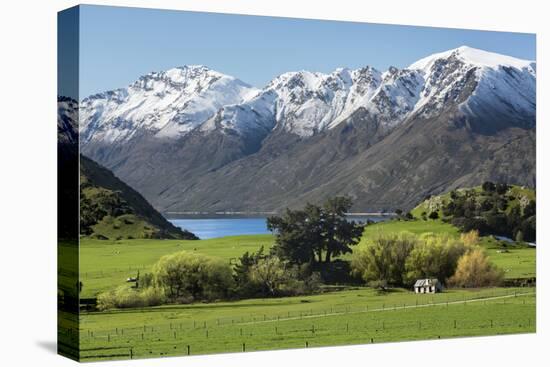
301	102
311	102
495	82
305	103
170	104
191	138
167	104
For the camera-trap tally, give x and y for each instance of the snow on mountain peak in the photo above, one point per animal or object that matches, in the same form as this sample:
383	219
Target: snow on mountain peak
171	103
472	56
506	83
167	104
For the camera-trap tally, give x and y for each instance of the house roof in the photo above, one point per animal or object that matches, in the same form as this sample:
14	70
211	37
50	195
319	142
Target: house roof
426	282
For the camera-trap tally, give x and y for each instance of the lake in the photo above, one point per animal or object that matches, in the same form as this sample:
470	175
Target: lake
208	227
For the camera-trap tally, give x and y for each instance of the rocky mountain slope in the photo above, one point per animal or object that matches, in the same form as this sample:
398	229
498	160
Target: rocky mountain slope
193	139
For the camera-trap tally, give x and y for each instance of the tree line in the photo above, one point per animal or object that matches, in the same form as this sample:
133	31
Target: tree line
305	255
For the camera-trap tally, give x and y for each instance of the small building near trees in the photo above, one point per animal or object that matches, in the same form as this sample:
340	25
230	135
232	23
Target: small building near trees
428	286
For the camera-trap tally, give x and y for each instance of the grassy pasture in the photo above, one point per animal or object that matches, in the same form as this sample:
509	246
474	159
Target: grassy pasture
340	317
106	264
353	316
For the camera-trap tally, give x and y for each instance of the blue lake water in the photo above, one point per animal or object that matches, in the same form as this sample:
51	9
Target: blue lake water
220	227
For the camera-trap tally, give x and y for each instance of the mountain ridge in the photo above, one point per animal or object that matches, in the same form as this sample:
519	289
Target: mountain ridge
462	98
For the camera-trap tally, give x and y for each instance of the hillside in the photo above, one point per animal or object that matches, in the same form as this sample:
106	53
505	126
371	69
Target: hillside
110	209
496	209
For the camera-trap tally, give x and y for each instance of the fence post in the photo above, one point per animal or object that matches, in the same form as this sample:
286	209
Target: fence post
188	349
244	347
131	353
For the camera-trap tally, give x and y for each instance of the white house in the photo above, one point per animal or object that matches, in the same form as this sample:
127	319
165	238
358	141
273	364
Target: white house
427	286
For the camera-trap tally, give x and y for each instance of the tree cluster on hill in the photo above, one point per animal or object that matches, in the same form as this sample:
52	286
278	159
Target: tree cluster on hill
401	259
494	209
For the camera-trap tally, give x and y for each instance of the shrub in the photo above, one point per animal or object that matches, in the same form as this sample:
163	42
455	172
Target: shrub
470	238
383	258
488	186
146	280
434	215
475	270
434	256
270	274
185	276
124	297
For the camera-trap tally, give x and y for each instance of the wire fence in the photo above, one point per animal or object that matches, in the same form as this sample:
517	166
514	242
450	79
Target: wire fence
303	328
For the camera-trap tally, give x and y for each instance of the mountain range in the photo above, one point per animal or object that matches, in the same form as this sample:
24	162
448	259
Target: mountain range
193	139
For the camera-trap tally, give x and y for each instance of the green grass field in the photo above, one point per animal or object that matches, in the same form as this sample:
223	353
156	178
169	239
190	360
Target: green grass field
104	265
339	317
107	264
353	316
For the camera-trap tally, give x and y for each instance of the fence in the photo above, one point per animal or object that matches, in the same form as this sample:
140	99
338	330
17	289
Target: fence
307	328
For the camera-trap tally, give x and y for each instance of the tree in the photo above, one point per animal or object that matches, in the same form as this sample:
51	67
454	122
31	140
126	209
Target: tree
245	286
488	186
502	188
530	209
304	236
470	239
519	236
339	234
298	234
192	276
270	273
474	270
434	215
382	260
434	256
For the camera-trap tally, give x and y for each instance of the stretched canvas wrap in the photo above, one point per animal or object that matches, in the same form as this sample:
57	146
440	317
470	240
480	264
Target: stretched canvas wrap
235	183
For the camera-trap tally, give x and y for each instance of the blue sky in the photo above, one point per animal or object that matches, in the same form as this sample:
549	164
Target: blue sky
117	45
